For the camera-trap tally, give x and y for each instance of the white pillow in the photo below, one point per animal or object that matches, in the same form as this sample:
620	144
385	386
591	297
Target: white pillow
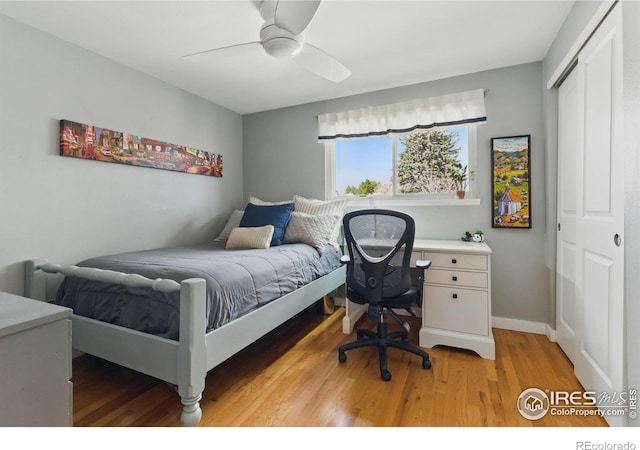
314	230
232	222
257	201
317	207
243	238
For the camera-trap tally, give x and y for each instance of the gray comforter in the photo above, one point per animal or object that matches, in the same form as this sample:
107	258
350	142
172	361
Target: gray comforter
238	281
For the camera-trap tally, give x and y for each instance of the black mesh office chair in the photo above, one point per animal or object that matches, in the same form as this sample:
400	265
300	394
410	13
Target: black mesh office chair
378	274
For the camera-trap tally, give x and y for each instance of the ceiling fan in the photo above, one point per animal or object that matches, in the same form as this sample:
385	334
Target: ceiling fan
281	36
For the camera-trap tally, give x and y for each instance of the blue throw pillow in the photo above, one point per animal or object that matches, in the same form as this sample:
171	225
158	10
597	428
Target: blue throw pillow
261	215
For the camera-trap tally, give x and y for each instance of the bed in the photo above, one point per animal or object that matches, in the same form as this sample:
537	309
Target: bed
175	314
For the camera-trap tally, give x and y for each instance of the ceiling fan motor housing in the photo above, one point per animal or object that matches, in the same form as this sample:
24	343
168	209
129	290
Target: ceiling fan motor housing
279	42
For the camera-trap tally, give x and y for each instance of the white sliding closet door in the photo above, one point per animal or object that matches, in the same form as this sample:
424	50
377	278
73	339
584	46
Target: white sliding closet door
570	132
590	311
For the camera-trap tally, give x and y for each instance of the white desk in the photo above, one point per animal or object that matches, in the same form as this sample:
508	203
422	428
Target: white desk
456	308
35	363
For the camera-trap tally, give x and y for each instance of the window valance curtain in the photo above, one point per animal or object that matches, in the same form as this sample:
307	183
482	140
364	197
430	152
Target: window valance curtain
444	111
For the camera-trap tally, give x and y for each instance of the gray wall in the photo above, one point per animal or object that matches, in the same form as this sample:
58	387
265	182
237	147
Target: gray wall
66	209
282	157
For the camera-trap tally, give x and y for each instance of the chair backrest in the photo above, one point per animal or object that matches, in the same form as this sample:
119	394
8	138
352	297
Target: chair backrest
379	242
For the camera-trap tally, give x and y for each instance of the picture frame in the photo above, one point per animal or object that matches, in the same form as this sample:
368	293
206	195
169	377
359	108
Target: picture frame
79	140
511	182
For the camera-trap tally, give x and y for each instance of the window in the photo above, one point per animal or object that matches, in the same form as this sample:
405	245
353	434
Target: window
422	149
420	165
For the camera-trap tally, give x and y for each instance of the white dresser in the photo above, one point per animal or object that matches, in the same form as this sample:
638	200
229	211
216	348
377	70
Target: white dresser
456	309
35	363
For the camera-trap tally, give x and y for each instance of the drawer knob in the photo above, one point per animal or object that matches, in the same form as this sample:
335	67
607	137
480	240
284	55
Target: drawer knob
454	261
454	278
455	295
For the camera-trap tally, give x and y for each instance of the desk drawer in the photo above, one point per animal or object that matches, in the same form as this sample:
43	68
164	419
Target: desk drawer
457	278
457	260
461	310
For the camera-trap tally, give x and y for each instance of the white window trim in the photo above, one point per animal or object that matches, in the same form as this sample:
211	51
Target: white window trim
449	199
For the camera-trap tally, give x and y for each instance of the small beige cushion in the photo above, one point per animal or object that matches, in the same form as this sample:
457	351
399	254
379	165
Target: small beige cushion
243	238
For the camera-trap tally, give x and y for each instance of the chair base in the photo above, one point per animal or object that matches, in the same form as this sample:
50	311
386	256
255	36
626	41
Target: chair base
383	340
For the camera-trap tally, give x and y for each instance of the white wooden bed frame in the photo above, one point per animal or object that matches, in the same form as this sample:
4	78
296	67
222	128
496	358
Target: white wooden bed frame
185	362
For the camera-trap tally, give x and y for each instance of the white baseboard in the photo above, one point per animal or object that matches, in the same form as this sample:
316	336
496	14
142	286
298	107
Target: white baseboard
551	333
525	326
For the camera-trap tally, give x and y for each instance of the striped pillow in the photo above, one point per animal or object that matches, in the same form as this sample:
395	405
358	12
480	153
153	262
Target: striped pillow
257	201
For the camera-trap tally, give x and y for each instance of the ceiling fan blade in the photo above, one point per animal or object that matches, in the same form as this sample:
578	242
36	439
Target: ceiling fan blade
316	61
295	15
224	52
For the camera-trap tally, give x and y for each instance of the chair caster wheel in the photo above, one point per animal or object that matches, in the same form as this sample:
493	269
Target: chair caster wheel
342	357
386	375
426	364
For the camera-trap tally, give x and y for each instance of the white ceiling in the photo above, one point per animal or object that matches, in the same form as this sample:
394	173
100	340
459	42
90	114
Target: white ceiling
384	43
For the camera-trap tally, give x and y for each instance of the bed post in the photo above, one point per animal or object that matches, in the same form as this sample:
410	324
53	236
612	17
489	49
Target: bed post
35	285
192	357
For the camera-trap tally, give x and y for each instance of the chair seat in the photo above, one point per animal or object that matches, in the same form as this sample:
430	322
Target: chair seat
404	300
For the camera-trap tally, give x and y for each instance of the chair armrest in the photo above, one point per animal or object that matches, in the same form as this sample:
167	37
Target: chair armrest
344	259
423	264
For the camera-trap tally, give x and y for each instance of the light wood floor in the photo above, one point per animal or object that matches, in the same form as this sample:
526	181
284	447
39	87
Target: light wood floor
292	377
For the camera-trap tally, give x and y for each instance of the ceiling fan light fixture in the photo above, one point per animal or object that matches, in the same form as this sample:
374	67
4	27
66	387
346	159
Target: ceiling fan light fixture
282	47
279	42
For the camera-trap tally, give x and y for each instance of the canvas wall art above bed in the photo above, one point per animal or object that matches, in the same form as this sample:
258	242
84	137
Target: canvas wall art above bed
84	141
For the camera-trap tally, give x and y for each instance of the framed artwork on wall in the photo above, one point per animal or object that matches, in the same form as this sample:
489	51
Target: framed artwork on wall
84	141
511	187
